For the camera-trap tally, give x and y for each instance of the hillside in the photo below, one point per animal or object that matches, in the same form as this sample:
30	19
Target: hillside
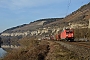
52	26
32	25
80	16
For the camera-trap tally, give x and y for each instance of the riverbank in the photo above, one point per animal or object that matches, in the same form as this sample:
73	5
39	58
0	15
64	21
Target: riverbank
40	50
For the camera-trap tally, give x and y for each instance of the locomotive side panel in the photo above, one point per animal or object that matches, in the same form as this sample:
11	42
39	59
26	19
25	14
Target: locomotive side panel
63	34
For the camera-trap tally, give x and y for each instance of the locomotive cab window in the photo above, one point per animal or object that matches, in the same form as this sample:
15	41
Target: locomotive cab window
71	31
67	32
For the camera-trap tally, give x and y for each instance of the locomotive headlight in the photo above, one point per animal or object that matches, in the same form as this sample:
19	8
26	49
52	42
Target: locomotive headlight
66	35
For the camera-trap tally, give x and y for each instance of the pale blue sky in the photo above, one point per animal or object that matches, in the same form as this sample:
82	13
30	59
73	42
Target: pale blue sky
18	12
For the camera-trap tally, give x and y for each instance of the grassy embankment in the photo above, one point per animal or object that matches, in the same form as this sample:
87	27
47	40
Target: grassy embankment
40	50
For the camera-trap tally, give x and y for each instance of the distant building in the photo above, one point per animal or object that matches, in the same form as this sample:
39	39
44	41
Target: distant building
77	25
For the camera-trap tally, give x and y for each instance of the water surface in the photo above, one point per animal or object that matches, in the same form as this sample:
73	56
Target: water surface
2	52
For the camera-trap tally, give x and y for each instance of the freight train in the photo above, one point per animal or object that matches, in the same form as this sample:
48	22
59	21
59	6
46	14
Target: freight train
67	35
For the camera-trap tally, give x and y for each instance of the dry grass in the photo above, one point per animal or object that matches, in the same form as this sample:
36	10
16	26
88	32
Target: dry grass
31	50
58	52
40	50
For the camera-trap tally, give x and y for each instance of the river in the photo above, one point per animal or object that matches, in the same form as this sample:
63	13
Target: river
2	52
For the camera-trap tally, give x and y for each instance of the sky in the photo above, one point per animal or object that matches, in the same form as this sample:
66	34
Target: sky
18	12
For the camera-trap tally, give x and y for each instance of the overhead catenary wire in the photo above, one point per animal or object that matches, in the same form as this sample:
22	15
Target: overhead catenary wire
69	3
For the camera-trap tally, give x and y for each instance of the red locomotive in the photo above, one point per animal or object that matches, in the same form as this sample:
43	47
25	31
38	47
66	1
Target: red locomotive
66	34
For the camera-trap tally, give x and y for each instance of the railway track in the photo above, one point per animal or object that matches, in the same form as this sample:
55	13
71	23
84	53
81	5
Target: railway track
82	49
82	44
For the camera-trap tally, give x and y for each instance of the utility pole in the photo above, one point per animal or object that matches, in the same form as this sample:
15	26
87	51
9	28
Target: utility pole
89	24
